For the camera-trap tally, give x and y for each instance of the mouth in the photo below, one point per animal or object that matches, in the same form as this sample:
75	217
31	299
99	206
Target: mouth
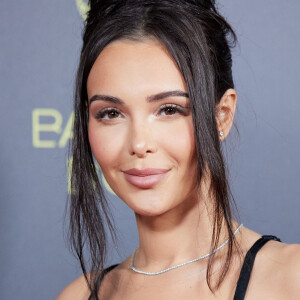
145	178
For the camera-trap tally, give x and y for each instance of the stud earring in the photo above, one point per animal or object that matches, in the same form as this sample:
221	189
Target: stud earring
221	133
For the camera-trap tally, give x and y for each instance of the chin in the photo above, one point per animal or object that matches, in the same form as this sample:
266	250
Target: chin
153	209
147	207
149	213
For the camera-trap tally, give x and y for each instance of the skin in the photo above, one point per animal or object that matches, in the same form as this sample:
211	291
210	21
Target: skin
173	217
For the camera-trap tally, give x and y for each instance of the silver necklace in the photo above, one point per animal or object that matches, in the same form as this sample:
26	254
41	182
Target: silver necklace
183	264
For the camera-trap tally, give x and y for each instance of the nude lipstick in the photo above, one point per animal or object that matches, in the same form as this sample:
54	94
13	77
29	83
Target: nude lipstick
145	178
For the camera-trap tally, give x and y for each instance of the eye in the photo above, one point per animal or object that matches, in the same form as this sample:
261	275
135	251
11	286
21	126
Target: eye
172	109
108	114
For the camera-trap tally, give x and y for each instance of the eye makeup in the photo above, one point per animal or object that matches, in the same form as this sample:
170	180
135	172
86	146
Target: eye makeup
168	108
165	110
109	112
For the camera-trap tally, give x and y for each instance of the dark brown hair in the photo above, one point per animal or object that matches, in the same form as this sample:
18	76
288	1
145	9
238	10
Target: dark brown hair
199	39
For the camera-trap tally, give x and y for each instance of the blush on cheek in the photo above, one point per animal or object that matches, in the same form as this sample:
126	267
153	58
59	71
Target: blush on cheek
180	140
105	149
97	146
99	150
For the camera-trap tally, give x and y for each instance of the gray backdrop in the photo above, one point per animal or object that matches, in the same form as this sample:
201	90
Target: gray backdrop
40	43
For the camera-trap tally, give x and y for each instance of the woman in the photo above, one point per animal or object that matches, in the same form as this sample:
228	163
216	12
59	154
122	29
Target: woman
154	100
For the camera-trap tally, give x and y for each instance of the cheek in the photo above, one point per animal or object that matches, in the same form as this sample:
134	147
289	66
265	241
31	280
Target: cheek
180	142
105	145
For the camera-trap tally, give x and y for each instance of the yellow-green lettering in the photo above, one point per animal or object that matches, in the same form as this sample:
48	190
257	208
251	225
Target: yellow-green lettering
67	133
83	8
37	127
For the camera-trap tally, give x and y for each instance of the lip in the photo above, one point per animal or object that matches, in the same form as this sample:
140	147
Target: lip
145	178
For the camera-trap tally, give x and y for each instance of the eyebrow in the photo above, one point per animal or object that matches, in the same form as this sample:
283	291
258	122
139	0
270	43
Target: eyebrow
151	98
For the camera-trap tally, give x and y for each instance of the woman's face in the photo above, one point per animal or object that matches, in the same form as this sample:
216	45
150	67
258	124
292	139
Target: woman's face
140	126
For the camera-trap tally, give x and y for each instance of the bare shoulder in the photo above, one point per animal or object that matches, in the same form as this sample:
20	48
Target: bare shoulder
290	257
79	290
76	290
282	265
276	270
285	255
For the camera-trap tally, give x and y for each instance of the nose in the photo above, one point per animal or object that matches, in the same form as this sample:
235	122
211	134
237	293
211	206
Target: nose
141	140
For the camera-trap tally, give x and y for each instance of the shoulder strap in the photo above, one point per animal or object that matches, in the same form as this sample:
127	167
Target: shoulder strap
244	278
108	269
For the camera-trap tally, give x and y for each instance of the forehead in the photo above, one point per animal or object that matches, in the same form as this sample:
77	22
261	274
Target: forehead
140	65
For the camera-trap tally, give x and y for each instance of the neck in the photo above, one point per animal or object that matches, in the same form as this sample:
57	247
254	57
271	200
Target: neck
182	234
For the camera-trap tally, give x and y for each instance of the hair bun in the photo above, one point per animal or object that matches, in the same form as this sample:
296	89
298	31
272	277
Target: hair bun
99	8
100	4
104	4
208	4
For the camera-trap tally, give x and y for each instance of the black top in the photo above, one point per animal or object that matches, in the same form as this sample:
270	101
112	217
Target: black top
244	278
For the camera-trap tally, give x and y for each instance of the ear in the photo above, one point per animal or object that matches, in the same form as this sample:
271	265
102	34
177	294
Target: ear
225	112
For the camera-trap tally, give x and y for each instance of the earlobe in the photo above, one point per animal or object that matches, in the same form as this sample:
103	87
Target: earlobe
225	112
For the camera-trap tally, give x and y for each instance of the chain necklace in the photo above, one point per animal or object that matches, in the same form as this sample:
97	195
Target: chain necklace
183	264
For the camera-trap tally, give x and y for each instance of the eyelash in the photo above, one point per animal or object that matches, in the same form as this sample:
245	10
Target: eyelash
100	114
177	109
